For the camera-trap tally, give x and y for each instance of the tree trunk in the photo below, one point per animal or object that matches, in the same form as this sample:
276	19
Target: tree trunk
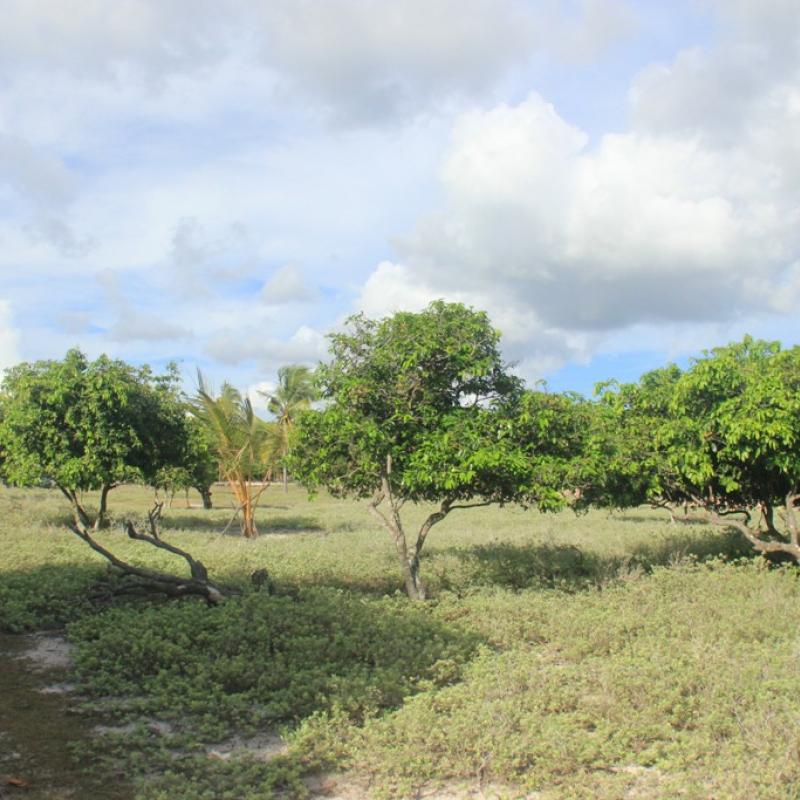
205	493
285	481
141	579
102	514
249	530
414	586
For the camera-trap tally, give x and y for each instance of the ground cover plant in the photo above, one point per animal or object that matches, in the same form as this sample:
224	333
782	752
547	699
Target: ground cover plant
602	655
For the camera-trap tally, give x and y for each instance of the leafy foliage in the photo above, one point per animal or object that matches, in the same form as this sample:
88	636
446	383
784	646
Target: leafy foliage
244	444
421	408
198	468
294	393
88	425
721	436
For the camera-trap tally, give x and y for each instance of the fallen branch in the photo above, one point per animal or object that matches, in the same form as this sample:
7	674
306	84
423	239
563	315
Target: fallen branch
152	580
727	518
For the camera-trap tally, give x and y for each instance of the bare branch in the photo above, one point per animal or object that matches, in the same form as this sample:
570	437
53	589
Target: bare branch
471	505
197	569
425	529
761	545
175	586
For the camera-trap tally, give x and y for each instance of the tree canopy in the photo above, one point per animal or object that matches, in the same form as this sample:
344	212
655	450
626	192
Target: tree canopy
84	424
420	407
721	436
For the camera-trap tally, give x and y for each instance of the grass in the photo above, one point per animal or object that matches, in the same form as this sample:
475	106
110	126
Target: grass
605	655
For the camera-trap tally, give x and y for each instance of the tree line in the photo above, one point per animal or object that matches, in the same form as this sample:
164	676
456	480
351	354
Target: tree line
421	408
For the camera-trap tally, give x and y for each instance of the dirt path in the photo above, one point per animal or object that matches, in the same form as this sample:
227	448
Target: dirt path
38	723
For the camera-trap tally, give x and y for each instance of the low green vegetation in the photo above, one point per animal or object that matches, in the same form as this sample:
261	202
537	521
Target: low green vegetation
600	655
563	651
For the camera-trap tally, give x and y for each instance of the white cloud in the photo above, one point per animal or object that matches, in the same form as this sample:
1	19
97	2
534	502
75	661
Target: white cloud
287	285
132	325
245	343
90	35
356	61
391	288
42	188
9	338
365	61
562	242
258	394
593	27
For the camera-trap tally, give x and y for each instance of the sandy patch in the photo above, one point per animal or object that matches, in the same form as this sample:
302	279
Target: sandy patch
348	787
48	651
264	746
152	725
58	688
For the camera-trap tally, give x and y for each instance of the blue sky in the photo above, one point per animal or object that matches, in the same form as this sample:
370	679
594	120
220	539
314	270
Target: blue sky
615	181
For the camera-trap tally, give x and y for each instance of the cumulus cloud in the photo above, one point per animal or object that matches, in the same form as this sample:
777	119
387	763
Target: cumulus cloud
132	323
233	347
721	92
287	285
357	61
9	338
46	188
691	216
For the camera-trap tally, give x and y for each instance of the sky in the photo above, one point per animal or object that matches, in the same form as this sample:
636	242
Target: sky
616	182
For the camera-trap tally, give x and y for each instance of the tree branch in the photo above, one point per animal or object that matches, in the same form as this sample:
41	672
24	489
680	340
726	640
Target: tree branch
425	529
173	585
471	505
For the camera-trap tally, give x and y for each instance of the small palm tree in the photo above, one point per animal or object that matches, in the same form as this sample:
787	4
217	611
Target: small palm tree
295	392
244	445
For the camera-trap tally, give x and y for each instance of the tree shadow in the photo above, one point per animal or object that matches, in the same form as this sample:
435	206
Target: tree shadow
640	517
218	523
268	659
46	596
569	568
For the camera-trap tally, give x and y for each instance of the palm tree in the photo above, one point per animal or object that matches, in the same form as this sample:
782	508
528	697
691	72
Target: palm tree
244	445
295	392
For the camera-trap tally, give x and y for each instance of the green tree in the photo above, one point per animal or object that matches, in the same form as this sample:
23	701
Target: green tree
723	438
243	443
420	408
93	425
295	393
84	425
198	467
627	467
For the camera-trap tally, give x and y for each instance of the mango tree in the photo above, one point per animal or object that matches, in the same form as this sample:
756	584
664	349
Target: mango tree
198	468
82	425
420	408
726	442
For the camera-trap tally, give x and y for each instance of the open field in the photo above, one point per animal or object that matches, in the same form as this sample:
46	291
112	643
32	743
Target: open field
606	656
